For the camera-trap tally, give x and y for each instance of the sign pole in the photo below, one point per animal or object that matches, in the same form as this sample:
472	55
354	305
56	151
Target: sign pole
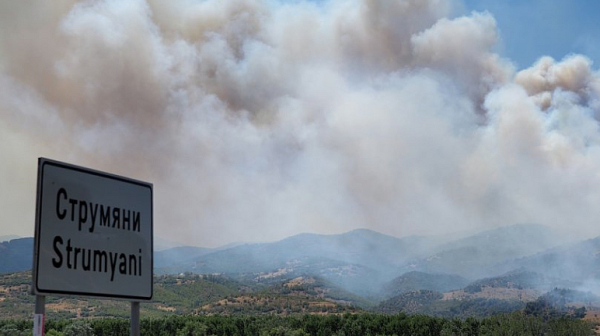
135	318
40	314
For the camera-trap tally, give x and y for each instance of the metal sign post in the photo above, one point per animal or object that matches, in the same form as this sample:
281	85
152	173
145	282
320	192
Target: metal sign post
135	318
39	316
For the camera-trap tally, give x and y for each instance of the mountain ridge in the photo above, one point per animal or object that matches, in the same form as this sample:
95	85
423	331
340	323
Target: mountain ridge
363	261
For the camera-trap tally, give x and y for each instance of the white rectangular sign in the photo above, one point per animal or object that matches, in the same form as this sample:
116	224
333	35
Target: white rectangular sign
93	233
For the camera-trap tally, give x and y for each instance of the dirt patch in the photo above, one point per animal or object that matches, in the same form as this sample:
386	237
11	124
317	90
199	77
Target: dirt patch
299	281
165	308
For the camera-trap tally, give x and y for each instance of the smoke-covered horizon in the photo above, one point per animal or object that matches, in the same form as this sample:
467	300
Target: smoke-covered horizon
256	120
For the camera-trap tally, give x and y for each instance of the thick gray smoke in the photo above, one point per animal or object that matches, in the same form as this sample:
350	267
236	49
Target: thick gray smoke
256	119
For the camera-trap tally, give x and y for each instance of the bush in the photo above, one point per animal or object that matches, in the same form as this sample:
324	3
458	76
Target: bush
79	328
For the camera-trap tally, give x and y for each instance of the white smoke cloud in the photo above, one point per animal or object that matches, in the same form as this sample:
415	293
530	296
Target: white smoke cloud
257	120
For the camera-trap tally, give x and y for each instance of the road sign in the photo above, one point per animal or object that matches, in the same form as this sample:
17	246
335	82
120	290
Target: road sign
93	234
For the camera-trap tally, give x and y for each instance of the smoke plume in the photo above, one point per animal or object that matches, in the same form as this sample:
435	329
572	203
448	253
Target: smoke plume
256	120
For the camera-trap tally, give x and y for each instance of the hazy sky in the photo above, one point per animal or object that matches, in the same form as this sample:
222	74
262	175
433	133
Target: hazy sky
256	120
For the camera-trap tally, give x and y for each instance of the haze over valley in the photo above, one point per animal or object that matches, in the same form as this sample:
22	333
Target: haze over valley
502	269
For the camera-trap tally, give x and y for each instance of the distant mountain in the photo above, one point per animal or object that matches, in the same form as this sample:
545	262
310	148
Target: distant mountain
359	247
578	261
161	244
477	256
520	279
414	281
365	262
510	241
178	255
356	260
8	237
16	255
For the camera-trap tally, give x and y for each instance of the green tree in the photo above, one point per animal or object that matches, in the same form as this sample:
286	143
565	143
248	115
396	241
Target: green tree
193	328
13	330
79	328
53	332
